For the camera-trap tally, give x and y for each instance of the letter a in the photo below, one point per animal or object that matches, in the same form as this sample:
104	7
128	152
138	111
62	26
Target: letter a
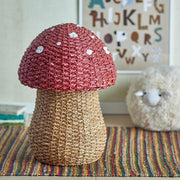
96	2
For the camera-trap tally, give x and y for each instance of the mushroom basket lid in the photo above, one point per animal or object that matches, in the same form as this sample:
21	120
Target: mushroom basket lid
67	57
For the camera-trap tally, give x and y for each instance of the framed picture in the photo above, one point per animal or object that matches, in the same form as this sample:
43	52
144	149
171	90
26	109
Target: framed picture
137	32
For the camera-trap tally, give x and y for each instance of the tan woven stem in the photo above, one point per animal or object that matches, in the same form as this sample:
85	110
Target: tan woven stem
67	128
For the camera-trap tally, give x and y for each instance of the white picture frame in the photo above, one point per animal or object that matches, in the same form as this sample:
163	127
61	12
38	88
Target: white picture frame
169	56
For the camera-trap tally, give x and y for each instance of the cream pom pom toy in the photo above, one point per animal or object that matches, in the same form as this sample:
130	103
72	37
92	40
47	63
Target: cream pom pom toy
153	100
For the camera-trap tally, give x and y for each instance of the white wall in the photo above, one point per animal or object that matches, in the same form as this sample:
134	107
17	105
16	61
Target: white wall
22	20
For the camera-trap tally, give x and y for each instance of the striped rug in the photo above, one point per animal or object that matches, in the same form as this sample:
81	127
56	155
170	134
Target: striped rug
128	152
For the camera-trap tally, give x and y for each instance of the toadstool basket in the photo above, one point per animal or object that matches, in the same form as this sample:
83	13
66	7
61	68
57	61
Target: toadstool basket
71	132
67	64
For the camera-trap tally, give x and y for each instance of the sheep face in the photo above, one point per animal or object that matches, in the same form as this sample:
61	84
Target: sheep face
152	97
153	100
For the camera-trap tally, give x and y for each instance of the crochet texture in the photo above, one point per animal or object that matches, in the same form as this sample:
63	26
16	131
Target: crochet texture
67	58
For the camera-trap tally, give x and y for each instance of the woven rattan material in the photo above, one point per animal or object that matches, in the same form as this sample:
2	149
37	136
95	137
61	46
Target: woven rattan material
67	128
67	58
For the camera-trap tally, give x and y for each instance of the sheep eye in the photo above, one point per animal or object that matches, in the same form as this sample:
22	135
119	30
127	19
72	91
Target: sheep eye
145	93
160	95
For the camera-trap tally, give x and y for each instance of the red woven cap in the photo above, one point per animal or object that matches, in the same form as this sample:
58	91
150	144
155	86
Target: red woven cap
67	57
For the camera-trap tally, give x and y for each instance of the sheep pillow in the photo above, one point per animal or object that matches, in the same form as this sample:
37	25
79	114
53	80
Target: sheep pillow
153	100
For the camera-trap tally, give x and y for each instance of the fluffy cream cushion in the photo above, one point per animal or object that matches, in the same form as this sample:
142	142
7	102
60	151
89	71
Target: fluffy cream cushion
153	100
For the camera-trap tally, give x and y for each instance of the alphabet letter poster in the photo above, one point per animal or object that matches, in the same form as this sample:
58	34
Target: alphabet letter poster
137	32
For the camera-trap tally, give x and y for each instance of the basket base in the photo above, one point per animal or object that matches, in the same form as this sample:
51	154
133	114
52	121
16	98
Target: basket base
67	128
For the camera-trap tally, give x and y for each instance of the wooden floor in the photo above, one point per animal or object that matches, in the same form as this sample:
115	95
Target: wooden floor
118	120
110	120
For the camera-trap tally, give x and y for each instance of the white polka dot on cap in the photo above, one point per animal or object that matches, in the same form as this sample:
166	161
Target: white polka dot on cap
39	49
73	35
58	43
89	51
106	50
